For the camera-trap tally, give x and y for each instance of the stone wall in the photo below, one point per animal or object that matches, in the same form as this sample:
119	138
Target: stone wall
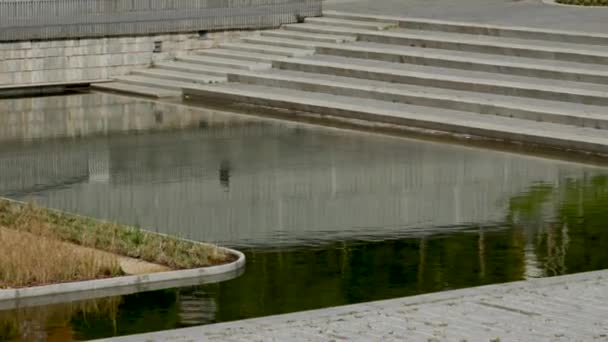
37	62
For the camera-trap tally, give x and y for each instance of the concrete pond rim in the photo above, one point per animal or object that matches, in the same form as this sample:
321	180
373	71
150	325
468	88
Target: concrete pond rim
97	288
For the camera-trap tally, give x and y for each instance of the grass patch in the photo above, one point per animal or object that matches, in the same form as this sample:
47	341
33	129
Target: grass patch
114	238
28	260
584	2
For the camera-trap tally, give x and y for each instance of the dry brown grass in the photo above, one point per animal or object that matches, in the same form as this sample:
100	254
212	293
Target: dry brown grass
28	260
119	239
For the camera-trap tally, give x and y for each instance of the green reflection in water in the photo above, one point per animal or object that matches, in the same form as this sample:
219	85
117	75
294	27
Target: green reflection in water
549	230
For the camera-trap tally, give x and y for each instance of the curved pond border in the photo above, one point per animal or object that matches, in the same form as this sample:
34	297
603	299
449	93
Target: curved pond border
89	289
555	3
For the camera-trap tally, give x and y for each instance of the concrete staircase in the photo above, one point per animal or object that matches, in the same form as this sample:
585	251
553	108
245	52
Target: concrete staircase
530	85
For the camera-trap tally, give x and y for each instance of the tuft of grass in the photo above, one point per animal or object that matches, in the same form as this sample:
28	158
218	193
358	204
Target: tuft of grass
114	238
584	2
28	260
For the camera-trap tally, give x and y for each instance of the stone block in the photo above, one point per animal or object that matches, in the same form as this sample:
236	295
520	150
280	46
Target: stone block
53	52
96	61
12	65
16	54
37	63
75	74
119	71
75	51
95	73
116	59
6	78
37	53
22	77
94	49
42	45
115	47
59	43
55	63
76	61
141	58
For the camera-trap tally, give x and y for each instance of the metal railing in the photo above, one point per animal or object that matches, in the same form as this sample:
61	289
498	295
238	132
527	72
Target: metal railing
64	19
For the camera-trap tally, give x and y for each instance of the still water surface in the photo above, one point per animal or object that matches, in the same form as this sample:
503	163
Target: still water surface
326	217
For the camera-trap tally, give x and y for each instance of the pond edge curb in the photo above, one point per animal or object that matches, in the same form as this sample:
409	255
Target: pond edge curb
142	281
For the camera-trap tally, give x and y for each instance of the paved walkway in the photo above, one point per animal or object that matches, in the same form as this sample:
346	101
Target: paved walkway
531	13
565	308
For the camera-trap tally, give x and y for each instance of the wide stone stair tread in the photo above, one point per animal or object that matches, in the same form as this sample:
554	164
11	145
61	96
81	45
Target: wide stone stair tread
193	68
509	42
155	82
120	87
475	61
460	78
435	39
591	38
281	51
544	133
285	42
483	58
533	109
178	76
322	38
224	62
360	24
234	54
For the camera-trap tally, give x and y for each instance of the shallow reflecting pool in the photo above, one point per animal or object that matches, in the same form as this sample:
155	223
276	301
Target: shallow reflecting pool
327	217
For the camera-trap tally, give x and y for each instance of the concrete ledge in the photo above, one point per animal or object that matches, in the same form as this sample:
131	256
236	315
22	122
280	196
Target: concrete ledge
37	89
555	3
48	294
439	316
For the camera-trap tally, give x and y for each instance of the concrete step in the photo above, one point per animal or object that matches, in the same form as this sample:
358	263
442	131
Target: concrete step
320	38
196	69
522	108
153	82
558	70
224	62
491	45
483	43
284	42
272	50
480	29
178	76
235	54
505	59
489	126
119	87
445	78
356	24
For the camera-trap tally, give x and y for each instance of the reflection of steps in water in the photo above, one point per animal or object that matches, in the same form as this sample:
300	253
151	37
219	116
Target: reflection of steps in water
40	168
99	167
95	114
197	308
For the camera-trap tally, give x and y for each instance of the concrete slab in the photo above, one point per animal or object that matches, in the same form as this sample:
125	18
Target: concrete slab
527	13
549	309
